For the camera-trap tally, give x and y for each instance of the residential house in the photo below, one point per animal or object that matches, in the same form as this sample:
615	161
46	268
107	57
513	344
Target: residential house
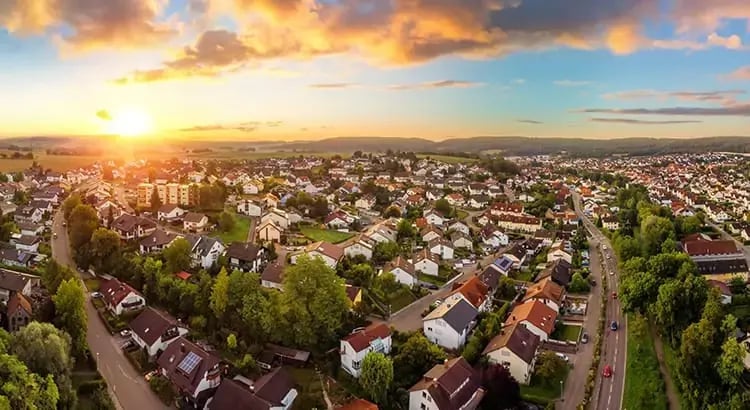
430	233
133	227
358	404
453	385
120	297
494	236
170	212
363	246
479	201
14	283
330	253
611	223
441	248
365	202
434	217
272	391
559	271
194	222
535	316
461	241
268	231
724	291
402	270
337	220
15	257
30	229
193	372
28	214
523	223
249	208
273	276
153	331
355	346
205	251
557	251
426	262
28	243
18	311
459	226
514	348
473	291
354	294
157	241
547	292
504	264
245	256
450	323
278	216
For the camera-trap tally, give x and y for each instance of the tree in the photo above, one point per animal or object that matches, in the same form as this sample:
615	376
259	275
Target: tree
506	288
231	341
226	222
654	231
177	256
415	357
82	223
384	252
314	300
392	212
443	206
24	390
638	291
548	366
578	284
377	376
738	285
54	274
361	274
69	204
46	351
502	390
679	304
405	230
105	250
731	362
70	313
155	200
220	294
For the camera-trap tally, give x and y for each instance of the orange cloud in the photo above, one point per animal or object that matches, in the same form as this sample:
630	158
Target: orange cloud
624	38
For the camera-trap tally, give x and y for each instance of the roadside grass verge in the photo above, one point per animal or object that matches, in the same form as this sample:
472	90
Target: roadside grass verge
644	386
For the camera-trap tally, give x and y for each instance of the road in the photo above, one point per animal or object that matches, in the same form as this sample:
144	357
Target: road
127	387
575	385
608	392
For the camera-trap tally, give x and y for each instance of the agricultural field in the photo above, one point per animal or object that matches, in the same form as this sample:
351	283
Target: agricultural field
449	159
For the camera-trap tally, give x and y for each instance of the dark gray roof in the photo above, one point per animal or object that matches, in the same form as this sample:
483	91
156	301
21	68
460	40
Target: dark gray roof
12	281
243	251
149	325
204	245
460	315
158	238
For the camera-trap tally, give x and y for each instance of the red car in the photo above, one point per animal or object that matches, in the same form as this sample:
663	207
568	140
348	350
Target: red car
607	371
614	295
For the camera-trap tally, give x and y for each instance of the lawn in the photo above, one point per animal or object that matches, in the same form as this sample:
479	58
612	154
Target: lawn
542	393
524	275
448	159
644	386
435	280
461	214
567	332
310	389
325	235
238	233
92	284
401	300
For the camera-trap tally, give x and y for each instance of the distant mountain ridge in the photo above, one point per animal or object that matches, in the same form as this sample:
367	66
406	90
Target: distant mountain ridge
507	145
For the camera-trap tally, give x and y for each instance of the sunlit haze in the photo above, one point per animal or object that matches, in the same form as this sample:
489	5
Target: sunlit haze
309	69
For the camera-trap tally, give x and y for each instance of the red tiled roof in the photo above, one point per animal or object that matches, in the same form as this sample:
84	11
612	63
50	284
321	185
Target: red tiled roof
702	248
473	290
361	339
183	275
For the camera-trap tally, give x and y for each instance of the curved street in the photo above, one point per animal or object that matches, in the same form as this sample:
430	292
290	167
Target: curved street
127	387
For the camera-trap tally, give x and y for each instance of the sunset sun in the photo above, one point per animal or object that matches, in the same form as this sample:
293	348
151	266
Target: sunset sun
130	123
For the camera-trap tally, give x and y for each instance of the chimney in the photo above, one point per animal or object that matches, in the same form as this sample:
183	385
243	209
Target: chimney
445	362
182	347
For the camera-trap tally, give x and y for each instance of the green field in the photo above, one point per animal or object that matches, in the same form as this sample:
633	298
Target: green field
644	386
541	393
238	233
59	163
449	159
567	332
325	235
461	214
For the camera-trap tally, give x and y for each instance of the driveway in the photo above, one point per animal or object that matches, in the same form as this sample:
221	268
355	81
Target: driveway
127	387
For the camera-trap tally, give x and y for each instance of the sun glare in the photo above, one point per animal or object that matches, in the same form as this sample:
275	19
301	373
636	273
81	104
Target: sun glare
130	123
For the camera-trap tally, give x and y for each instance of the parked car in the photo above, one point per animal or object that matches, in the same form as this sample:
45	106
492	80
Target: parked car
96	295
428	285
607	371
125	333
614	295
585	338
150	374
54	235
613	325
563	356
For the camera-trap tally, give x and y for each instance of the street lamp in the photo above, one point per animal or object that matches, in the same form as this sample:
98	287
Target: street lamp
562	398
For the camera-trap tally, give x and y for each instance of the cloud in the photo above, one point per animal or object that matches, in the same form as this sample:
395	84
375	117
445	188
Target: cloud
571	83
435	84
89	24
706	16
723	97
104	115
742	73
332	86
732	42
249	126
737	110
643	122
527	121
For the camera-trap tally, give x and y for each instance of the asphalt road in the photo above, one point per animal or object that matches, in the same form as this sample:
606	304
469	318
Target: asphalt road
127	387
608	392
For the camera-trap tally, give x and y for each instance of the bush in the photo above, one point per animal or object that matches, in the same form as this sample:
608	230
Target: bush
102	400
163	388
90	386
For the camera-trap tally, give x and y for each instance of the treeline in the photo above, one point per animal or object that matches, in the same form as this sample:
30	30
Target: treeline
662	283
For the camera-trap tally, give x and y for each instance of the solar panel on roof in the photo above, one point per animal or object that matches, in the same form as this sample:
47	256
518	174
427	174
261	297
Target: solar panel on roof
189	363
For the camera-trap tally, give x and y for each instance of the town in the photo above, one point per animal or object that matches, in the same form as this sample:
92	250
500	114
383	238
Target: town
391	280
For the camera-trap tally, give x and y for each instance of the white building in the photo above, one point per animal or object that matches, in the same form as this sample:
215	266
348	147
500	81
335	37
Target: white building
515	349
449	324
354	347
153	331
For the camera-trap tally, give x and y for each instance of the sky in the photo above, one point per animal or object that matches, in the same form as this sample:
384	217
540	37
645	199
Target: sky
309	69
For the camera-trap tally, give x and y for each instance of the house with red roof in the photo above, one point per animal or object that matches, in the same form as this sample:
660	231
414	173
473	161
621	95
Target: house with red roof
120	297
473	291
355	346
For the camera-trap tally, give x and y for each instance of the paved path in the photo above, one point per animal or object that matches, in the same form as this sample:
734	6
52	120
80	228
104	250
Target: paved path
127	387
672	397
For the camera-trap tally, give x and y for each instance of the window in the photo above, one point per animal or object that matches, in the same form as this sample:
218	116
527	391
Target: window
424	394
356	365
422	406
